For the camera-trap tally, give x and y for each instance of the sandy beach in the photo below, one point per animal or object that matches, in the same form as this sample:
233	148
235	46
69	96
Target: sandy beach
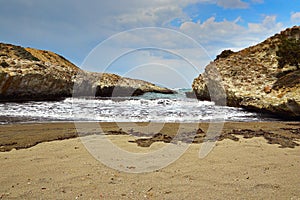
251	160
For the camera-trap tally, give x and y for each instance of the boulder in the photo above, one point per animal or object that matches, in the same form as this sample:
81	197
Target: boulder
252	79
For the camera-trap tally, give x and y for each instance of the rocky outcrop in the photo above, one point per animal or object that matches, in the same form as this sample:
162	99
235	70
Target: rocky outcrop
252	79
31	74
112	85
24	76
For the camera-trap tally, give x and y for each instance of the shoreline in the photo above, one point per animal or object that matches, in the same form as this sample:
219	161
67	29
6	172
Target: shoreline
6	120
26	135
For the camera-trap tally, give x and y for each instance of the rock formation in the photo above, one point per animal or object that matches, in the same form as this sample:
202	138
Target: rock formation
112	85
252	79
31	74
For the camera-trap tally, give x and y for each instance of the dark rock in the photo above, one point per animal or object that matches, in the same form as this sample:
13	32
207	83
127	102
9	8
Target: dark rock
224	54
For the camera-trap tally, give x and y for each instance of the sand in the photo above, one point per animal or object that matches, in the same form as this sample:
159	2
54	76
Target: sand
247	168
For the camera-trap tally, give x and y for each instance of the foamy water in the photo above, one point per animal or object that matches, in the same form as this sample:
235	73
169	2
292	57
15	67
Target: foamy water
149	107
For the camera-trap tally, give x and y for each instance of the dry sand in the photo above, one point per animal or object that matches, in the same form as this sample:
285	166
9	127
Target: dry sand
64	169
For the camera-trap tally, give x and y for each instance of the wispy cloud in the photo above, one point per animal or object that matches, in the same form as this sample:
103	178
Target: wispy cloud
232	4
257	1
295	17
229	34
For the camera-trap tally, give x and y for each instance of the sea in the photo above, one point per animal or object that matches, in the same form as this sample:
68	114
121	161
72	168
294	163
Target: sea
150	107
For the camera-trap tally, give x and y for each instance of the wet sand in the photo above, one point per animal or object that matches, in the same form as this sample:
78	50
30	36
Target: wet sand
250	161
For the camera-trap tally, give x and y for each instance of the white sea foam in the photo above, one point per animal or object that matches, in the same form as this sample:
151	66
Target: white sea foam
150	107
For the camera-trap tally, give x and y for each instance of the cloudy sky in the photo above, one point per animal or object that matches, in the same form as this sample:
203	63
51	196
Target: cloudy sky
114	36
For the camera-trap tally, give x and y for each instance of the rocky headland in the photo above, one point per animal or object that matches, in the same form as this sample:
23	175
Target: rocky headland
32	74
255	78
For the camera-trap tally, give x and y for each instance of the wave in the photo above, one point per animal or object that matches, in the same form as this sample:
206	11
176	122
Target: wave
149	107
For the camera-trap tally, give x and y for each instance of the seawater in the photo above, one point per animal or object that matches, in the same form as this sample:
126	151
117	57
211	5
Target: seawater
150	107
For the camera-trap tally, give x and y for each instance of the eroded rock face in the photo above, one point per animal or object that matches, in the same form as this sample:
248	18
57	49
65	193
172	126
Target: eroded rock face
251	79
25	76
31	74
112	85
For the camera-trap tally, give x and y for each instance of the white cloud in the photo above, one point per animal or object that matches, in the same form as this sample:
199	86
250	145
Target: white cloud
232	4
210	30
95	18
295	17
74	26
168	54
268	25
216	36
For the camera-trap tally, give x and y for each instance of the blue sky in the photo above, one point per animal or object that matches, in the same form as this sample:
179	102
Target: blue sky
254	12
73	28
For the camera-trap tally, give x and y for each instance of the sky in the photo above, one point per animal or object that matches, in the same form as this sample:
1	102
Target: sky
168	42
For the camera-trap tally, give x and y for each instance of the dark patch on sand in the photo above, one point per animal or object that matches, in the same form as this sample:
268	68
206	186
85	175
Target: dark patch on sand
285	140
19	136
